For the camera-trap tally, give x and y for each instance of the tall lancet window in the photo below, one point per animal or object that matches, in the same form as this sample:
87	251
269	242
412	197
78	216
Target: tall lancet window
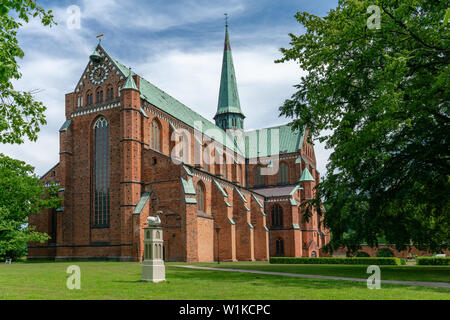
156	135
101	173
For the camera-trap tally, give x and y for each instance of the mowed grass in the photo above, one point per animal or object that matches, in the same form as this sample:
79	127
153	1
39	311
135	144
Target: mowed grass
405	273
121	280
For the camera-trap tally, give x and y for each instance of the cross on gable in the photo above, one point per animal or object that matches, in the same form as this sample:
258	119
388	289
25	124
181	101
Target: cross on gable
100	35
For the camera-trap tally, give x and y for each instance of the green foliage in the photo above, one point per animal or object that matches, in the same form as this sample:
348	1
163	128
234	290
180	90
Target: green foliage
433	261
362	254
20	114
380	99
365	261
21	194
385	252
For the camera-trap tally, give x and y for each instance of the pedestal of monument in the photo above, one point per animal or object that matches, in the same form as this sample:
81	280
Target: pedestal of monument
153	268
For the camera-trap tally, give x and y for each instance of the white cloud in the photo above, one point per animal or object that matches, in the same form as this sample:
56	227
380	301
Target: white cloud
55	58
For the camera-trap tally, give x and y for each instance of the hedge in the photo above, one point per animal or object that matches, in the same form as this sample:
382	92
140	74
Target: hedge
362	254
326	260
385	253
433	261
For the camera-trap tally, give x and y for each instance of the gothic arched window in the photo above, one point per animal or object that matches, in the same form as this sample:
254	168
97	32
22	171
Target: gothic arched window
279	247
283	173
101	173
277	216
156	135
200	196
88	98
259	178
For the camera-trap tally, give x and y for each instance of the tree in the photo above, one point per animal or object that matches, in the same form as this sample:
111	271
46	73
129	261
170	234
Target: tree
383	93
21	194
20	114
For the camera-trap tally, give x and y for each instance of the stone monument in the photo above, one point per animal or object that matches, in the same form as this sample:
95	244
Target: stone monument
153	268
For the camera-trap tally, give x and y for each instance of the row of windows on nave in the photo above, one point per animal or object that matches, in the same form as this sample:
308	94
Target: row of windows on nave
283	172
99	97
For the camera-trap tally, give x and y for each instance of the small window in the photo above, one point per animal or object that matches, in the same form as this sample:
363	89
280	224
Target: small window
279	247
277	216
283	173
224	167
200	196
259	178
88	99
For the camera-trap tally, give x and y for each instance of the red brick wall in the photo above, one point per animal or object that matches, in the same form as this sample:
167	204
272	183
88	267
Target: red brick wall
189	235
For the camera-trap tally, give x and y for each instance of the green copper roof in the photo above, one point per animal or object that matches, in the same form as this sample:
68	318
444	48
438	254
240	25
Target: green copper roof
240	195
170	105
257	201
295	189
306	176
130	84
188	186
65	126
220	188
262	143
190	200
142	202
95	56
228	94
290	141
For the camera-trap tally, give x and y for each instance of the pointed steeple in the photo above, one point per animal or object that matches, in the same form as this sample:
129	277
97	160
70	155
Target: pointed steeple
229	114
306	176
129	83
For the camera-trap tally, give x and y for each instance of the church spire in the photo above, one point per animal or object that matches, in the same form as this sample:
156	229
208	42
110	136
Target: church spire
229	114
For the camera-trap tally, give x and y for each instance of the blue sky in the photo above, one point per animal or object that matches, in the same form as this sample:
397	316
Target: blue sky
176	45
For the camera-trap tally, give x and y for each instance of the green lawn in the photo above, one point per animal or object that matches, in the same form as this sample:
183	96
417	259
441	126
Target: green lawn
121	280
406	273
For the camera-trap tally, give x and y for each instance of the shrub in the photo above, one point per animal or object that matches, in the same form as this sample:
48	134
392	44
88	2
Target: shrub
385	252
433	261
362	254
326	260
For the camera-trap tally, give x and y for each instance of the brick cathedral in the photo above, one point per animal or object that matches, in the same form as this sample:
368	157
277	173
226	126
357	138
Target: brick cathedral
129	150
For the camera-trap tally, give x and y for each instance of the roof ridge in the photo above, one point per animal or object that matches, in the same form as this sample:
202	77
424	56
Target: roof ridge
274	127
